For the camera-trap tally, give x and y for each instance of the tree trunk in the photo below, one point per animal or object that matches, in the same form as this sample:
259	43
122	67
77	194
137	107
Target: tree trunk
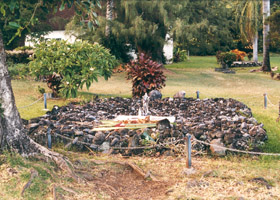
12	133
109	16
266	60
255	47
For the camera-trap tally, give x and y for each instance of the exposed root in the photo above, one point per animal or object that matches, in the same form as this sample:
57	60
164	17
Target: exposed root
62	162
137	169
34	174
54	192
111	188
68	190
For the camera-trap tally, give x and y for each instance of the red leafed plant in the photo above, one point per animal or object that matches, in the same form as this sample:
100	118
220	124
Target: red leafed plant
146	75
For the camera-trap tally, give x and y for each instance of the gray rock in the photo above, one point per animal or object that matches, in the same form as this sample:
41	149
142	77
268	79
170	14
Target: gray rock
33	126
163	124
79	133
104	147
181	94
94	147
99	138
155	94
75	140
217	149
253	120
243	125
115	141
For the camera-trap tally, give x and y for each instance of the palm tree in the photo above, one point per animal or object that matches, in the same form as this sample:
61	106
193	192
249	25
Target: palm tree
109	16
249	23
266	13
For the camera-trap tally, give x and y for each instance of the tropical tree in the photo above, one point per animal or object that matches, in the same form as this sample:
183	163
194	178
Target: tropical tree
249	22
109	16
266	13
12	133
204	27
274	32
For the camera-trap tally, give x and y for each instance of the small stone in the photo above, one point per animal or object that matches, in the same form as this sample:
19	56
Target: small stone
90	118
115	141
99	138
68	132
79	133
181	94
75	140
253	120
244	125
219	134
217	149
104	147
163	124
188	171
93	147
33	126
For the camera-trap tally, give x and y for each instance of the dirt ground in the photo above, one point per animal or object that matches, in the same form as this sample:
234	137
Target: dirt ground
148	178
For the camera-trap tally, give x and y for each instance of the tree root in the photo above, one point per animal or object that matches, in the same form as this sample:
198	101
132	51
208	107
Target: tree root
54	192
135	168
62	162
34	174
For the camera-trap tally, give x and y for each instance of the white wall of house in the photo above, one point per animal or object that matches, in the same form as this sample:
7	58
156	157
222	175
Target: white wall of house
60	35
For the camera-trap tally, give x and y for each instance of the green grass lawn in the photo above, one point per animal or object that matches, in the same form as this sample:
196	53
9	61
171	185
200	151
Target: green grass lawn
196	74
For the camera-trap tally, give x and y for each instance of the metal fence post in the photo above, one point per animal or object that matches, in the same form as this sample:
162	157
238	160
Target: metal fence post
45	101
49	138
265	100
197	94
188	150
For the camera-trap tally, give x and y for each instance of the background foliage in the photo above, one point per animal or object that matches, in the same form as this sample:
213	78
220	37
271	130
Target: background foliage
77	64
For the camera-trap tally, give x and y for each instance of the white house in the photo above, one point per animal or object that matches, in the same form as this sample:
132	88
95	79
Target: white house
61	35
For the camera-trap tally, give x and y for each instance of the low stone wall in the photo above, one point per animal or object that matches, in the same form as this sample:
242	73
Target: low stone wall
246	64
227	121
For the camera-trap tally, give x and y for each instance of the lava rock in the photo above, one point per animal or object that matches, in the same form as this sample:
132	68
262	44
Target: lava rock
99	138
155	94
217	148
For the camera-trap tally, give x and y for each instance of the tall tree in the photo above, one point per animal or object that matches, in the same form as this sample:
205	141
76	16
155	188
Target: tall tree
109	16
274	32
249	23
266	13
12	133
204	27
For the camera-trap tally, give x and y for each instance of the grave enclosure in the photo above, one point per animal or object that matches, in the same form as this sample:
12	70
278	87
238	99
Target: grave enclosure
225	122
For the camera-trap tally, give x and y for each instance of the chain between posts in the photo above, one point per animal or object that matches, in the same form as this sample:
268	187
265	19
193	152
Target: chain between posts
174	142
31	103
237	150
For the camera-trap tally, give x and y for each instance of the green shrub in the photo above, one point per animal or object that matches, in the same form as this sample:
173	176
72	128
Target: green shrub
18	56
76	65
179	55
250	55
23	48
218	56
227	58
18	71
146	75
